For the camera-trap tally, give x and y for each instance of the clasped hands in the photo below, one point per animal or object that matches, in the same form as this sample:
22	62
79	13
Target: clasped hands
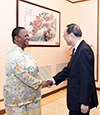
47	83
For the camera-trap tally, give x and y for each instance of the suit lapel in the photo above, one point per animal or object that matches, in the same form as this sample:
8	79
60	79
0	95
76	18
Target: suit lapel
76	53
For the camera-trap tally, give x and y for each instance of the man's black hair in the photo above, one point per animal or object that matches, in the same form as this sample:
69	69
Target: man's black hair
75	29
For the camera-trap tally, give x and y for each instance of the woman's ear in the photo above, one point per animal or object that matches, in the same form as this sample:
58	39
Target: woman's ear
16	39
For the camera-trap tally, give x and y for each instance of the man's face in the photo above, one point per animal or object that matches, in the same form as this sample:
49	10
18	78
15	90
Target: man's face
23	38
67	37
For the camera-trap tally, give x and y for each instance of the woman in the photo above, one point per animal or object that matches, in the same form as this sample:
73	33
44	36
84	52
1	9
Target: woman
22	85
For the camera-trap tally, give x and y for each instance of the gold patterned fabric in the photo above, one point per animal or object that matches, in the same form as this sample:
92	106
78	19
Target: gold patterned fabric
29	111
22	84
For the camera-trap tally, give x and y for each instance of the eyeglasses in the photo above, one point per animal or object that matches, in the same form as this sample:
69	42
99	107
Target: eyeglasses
65	35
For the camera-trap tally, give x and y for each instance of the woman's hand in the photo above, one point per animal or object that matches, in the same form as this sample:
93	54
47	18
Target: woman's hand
46	83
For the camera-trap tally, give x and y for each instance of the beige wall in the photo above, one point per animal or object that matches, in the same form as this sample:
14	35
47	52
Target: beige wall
84	14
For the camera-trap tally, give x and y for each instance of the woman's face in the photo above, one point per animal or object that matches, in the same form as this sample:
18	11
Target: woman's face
23	38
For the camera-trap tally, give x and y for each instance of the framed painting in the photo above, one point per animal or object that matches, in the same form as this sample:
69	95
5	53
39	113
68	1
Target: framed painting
42	23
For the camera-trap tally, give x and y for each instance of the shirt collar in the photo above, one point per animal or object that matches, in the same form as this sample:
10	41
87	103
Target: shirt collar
19	47
77	44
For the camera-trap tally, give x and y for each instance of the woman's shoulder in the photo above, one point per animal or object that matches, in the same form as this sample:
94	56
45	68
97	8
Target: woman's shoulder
14	52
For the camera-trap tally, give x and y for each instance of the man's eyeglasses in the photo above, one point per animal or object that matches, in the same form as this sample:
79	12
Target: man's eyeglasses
65	35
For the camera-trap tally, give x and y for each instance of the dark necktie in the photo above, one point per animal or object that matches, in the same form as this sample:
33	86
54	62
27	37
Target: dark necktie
73	53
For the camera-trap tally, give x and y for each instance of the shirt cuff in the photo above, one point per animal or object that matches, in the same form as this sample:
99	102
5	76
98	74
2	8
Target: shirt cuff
53	80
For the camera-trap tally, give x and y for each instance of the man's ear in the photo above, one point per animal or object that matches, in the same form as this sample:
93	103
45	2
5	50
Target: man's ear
72	35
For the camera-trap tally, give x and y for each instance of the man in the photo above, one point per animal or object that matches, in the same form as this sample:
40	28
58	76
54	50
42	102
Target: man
81	90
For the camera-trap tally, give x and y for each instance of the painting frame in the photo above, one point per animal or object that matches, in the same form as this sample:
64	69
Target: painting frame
46	31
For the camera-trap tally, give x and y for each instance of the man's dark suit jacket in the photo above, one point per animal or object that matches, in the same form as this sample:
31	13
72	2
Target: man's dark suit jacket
80	73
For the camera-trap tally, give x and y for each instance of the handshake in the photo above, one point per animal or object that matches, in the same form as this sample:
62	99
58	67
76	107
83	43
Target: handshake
47	83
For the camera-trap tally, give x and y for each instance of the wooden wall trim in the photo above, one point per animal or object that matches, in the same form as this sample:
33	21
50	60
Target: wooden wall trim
98	89
77	1
97	40
1	100
2	111
69	1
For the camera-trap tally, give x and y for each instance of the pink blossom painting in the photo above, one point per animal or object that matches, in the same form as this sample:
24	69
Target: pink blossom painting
42	23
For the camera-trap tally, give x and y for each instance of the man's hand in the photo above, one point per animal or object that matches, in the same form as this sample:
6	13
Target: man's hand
84	108
50	83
